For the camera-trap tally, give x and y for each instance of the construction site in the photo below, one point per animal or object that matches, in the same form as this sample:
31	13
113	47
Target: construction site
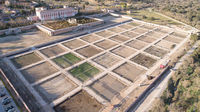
96	71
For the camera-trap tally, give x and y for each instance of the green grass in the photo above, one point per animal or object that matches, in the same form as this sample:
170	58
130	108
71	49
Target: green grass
151	16
84	71
66	60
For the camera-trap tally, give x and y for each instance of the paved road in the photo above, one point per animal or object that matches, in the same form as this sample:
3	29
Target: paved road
158	90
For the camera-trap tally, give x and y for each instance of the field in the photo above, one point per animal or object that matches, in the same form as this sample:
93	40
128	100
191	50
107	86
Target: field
166	44
108	87
156	51
140	30
106	44
105	33
144	60
137	44
173	39
91	38
107	60
163	30
129	71
38	72
146	39
116	30
179	34
153	17
134	24
126	26
25	60
84	71
74	44
123	51
119	38
88	51
66	60
52	51
55	87
80	102
154	34
130	34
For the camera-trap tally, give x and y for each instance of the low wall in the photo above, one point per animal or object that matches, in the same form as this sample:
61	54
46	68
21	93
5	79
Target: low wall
52	32
16	30
147	91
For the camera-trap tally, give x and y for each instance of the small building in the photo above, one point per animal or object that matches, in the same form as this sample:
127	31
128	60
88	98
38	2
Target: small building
44	14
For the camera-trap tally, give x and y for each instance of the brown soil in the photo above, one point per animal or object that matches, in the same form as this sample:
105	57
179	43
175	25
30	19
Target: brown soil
144	60
81	102
88	51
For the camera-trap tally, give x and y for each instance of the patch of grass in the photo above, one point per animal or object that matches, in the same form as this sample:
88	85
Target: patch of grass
66	60
84	71
150	16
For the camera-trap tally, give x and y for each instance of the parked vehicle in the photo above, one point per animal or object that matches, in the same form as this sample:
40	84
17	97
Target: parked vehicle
12	110
6	101
9	108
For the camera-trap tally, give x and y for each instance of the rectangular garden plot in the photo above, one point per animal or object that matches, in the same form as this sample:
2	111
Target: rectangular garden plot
80	102
133	24
155	34
108	87
106	44
137	44
105	33
52	51
119	38
91	38
179	34
129	71
116	29
38	72
144	60
140	30
163	30
84	71
123	51
88	51
107	60
74	44
126	26
166	44
25	60
156	51
146	38
66	60
173	39
55	88
130	34
149	27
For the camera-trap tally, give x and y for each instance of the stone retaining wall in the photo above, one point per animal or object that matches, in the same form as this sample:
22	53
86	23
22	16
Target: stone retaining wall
16	30
52	32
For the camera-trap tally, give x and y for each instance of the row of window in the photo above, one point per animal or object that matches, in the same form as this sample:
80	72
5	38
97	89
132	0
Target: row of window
56	14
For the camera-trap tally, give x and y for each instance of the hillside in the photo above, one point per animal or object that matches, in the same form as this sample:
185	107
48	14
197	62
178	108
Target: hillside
183	91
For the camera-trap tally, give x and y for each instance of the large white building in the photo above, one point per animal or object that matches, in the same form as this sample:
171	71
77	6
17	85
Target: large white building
44	14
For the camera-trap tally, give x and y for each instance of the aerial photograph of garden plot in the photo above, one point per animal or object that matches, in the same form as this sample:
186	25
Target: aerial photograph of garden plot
94	71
